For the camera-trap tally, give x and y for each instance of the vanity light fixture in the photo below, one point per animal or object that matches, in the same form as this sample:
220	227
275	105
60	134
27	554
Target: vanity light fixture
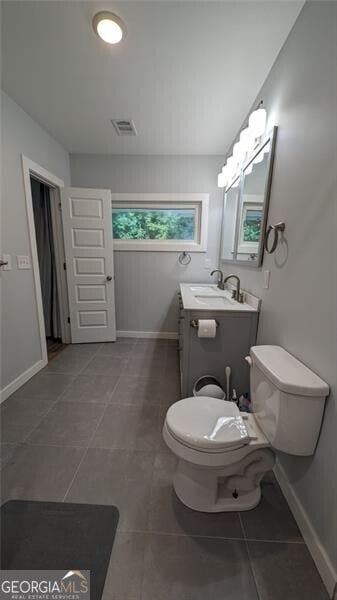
109	27
249	138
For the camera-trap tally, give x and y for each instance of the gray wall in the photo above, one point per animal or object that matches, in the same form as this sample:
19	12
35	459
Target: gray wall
147	282
20	333
300	307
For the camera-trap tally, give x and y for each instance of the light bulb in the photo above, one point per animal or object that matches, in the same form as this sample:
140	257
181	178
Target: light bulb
257	122
238	152
224	176
247	140
221	180
232	168
108	27
230	164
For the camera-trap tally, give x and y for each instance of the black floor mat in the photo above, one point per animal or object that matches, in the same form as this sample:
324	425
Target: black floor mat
57	536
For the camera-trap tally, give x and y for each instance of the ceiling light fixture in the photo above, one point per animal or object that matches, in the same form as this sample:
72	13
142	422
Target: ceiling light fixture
108	27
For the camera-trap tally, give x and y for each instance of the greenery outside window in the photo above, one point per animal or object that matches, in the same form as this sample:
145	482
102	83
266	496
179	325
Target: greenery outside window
160	222
250	227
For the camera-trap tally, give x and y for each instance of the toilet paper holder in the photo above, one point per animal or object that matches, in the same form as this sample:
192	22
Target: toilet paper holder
194	324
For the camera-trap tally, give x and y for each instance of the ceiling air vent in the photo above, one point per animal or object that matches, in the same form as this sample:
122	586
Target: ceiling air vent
124	126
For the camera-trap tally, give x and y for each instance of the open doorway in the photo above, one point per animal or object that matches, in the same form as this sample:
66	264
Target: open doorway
83	252
42	191
45	246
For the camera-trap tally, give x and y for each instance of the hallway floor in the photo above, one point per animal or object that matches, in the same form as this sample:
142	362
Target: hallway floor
54	347
88	429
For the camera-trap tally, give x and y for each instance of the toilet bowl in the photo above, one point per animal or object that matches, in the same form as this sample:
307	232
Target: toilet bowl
223	454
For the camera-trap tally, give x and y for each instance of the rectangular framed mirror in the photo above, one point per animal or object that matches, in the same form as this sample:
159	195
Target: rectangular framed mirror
246	203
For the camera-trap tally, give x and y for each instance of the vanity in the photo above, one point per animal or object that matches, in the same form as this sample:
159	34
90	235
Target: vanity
235	334
243	232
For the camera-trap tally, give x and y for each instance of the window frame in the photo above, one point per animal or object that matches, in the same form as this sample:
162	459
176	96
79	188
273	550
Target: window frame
243	246
160	201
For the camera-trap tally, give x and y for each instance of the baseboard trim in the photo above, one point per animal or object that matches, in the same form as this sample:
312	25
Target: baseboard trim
164	335
319	555
19	381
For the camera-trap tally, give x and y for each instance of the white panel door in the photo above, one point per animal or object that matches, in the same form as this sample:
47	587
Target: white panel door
87	228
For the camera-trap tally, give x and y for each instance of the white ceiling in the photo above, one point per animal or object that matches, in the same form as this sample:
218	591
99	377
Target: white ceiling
187	72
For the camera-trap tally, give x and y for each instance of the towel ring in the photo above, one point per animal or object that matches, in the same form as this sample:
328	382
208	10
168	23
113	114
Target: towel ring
275	228
184	258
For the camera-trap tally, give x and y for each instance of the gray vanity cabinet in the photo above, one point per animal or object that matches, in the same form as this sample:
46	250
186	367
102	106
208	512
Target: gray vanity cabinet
236	333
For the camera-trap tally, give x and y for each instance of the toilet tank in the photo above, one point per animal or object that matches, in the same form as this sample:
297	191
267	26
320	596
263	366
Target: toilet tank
287	399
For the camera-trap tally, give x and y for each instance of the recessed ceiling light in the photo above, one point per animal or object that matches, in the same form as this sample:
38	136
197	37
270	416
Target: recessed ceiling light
108	27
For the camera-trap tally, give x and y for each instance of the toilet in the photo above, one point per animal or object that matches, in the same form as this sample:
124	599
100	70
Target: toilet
223	454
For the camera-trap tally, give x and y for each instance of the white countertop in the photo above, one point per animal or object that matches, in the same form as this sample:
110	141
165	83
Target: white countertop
204	296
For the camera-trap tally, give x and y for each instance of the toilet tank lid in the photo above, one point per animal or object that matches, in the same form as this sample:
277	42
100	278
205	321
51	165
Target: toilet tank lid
287	373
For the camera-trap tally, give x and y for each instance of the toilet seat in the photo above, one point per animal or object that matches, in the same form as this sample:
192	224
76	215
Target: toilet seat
207	424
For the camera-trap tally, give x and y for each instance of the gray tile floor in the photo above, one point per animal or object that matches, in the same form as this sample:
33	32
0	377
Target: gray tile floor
88	429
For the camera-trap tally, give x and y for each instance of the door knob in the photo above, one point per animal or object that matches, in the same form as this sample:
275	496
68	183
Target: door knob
109	278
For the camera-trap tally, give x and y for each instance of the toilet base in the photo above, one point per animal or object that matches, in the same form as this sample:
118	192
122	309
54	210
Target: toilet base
235	487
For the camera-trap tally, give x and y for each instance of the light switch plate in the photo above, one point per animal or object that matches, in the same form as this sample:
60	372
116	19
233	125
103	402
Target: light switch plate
207	263
266	275
23	262
8	259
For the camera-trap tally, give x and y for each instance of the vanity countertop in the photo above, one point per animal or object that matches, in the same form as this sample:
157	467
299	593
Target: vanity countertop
204	296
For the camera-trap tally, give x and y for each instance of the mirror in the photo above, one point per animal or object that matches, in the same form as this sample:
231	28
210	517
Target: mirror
246	207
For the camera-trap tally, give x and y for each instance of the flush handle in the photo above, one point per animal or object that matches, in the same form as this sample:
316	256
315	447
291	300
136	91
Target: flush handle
249	360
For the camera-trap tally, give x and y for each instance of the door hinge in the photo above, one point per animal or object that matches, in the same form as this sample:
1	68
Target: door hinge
60	207
65	266
68	319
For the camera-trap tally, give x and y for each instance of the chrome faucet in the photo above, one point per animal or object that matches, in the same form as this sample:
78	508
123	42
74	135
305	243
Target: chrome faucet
221	284
236	294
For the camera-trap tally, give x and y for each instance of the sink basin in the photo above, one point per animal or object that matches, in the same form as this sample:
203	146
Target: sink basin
208	297
213	301
200	289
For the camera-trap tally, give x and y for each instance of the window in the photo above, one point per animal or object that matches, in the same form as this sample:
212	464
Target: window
252	225
164	222
153	223
250	228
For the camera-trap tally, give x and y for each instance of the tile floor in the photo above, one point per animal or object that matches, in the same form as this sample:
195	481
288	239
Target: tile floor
88	429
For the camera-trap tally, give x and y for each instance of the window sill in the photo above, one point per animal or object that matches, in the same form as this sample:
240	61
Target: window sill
151	246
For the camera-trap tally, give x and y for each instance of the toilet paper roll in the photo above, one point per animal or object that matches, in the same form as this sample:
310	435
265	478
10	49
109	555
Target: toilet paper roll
206	328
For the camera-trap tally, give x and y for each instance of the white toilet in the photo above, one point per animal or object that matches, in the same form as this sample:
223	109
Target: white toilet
223	454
